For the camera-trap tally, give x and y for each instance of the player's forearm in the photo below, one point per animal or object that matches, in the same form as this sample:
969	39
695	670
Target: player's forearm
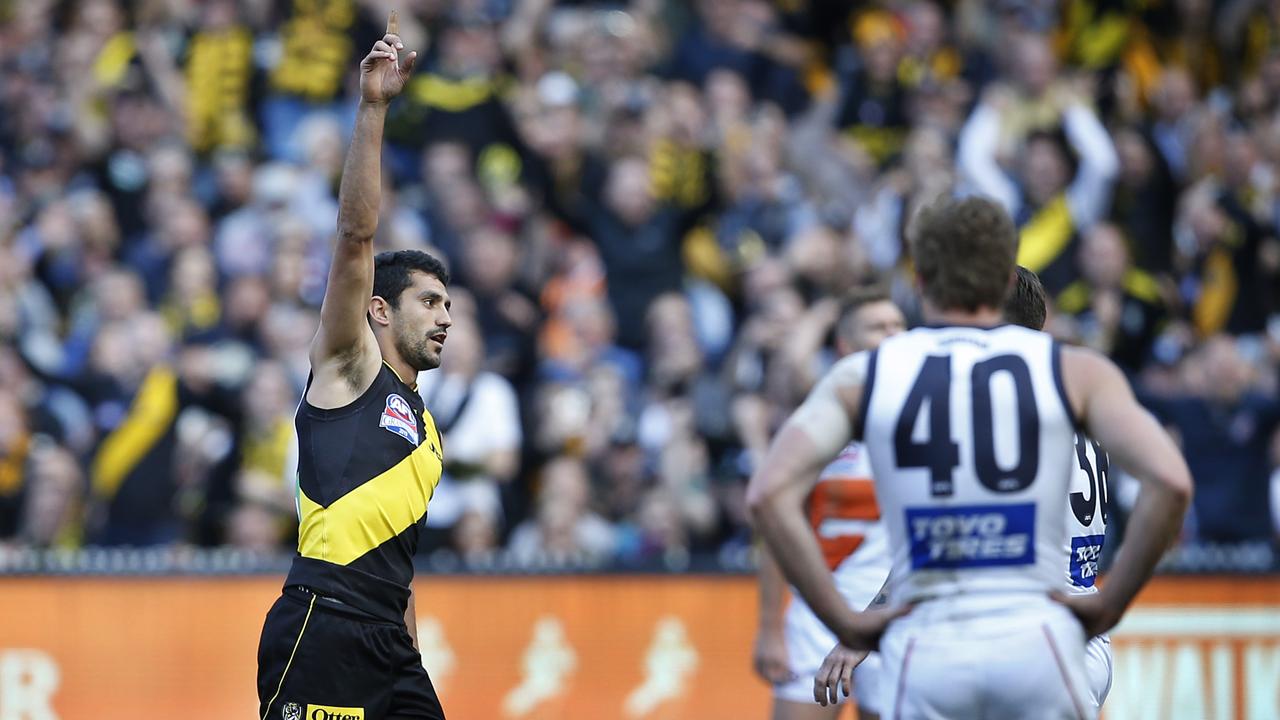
772	591
782	524
360	193
1152	528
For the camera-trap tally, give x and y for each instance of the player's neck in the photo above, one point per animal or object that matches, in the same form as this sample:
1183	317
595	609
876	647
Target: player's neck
982	317
403	370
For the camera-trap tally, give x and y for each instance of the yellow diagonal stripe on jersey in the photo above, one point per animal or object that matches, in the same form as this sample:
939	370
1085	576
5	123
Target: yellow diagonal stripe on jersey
149	418
1043	239
373	513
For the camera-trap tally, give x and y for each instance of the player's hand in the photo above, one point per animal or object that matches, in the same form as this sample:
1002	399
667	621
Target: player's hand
862	630
770	658
1093	611
386	68
836	675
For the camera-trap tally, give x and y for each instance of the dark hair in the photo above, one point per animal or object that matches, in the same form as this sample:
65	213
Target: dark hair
391	272
856	299
964	251
1025	305
1056	137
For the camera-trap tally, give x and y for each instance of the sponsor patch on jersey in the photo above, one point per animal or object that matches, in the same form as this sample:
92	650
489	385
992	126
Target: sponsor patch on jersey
329	712
972	536
398	418
1085	551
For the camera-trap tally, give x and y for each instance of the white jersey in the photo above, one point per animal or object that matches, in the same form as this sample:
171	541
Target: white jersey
972	445
845	517
1087	508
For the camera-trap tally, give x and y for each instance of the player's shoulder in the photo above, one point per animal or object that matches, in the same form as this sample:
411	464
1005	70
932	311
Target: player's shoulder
852	369
1086	366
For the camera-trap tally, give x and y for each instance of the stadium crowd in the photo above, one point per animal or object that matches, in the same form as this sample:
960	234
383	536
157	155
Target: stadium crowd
651	210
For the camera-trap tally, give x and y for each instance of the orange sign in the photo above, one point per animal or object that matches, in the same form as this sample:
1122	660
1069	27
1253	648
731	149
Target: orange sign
1204	648
537	648
573	648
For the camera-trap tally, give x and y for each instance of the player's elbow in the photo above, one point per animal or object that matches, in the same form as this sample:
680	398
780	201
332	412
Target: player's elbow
760	500
1176	485
354	235
355	232
1180	486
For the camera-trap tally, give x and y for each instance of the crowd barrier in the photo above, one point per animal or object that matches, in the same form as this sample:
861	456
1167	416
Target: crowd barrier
584	647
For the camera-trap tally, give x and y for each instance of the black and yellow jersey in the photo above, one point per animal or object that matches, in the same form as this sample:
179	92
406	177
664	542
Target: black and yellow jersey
366	473
1048	242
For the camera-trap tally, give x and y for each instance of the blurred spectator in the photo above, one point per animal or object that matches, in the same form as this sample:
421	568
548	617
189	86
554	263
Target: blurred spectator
563	527
1116	308
219	73
1145	201
477	415
15	448
653	209
1065	160
141	391
873	104
1226	429
317	45
741	35
506	314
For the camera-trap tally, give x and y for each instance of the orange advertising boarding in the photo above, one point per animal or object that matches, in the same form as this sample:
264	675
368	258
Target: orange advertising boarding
563	648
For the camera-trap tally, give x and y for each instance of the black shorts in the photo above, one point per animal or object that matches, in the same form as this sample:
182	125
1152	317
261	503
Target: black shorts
319	661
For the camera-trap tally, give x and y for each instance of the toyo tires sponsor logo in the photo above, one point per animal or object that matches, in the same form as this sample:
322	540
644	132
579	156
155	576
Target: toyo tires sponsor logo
971	536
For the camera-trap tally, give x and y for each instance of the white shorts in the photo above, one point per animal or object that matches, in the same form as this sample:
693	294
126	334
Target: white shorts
808	642
1097	663
1013	657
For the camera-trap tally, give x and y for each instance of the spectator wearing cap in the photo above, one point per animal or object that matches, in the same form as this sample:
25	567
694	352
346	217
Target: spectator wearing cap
872	109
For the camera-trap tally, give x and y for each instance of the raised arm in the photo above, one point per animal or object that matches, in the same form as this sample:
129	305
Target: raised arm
812	437
976	154
1089	196
1102	399
344	353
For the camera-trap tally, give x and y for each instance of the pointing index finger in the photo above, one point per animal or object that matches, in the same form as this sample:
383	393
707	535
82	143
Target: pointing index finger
393	23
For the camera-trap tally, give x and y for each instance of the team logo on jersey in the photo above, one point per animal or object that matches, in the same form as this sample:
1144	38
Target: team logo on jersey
398	418
1085	551
971	536
291	711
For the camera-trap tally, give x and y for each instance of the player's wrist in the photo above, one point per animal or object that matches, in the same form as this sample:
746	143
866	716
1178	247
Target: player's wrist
770	625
